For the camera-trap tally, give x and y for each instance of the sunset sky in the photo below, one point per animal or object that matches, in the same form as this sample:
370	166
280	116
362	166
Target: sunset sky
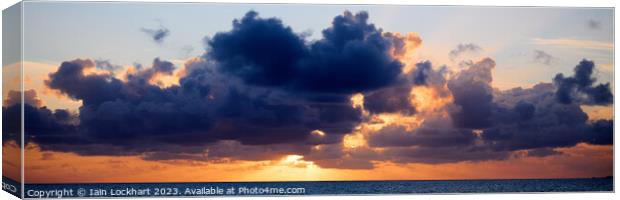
149	92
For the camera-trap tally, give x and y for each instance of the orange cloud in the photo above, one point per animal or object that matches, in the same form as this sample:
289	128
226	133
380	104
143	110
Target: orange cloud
412	42
582	160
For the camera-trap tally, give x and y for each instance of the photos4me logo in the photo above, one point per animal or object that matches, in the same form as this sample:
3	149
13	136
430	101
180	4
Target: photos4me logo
9	187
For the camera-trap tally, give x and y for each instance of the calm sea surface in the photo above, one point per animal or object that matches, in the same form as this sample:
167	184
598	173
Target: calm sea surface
318	188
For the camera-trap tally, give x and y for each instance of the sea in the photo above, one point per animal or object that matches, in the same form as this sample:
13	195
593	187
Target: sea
317	188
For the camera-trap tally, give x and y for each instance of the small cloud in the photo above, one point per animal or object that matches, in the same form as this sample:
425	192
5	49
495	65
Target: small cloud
106	65
158	35
466	63
594	24
543	57
464	48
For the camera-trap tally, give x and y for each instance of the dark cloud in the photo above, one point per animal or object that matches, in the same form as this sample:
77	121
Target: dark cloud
543	57
201	110
446	154
601	132
464	48
580	87
537	120
15	97
260	51
473	95
390	100
421	72
395	136
262	92
158	35
489	124
11	124
12	113
158	67
396	98
352	56
39	122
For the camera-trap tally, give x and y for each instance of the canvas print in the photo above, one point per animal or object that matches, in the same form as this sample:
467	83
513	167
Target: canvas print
114	99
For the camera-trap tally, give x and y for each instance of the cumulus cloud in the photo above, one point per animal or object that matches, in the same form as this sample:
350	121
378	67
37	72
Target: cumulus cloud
352	56
206	109
580	87
126	113
262	91
472	93
488	124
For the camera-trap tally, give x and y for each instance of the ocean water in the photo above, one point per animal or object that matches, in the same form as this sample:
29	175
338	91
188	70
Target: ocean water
318	188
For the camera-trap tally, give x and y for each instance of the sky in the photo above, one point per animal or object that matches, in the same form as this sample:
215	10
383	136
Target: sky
270	92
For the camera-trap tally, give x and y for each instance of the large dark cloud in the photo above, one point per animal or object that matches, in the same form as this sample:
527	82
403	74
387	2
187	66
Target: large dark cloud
538	121
200	110
260	51
489	124
352	56
281	99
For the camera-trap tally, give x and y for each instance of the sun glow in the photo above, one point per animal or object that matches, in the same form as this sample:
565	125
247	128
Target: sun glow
427	100
297	161
352	141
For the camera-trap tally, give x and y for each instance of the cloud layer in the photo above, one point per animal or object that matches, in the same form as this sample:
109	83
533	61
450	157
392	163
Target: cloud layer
262	91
